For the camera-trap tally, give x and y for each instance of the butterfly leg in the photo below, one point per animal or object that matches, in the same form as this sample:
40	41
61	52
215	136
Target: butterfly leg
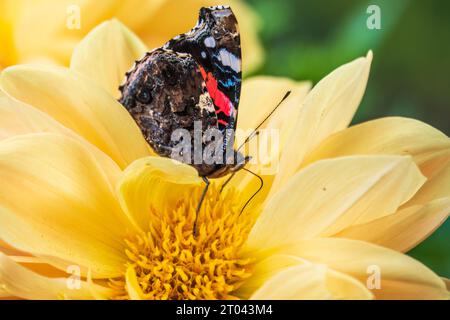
199	206
261	185
226	182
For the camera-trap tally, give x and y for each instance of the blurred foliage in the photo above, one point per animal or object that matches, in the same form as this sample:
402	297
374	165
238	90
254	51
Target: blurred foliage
306	39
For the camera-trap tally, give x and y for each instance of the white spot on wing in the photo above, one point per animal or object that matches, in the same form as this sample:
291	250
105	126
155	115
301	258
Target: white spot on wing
230	60
210	42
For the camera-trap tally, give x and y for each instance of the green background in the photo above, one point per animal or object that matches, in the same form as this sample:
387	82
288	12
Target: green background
306	39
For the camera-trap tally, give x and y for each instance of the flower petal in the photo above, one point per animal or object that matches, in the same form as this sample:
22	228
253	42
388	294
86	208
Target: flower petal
345	287
303	282
403	230
96	290
38	265
61	23
261	94
430	150
58	202
335	194
132	285
401	277
106	54
8	16
311	281
337	285
7	249
155	182
80	105
139	20
19	118
328	108
389	136
260	97
447	283
436	187
266	269
155	20
18	281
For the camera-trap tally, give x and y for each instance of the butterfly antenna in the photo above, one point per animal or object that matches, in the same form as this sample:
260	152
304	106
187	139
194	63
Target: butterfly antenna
261	185
255	132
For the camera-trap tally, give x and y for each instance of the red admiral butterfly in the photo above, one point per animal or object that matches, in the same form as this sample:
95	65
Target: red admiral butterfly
195	77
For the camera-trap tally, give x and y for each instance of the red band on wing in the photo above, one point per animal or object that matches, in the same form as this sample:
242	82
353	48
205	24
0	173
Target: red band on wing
220	99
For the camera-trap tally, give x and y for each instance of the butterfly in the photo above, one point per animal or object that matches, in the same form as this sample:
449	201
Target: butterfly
193	83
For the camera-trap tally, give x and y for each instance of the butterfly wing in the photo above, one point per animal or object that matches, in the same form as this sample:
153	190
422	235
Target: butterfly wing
215	44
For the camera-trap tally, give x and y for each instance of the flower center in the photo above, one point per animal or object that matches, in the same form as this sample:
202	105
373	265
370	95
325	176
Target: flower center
171	263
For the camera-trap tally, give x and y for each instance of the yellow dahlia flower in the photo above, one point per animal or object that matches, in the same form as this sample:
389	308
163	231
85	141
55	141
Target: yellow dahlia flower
80	189
61	24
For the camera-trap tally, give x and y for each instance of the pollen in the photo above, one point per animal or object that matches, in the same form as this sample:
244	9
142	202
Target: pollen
171	263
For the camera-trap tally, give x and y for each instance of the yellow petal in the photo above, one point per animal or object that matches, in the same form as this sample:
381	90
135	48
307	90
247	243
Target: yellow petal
139	20
266	269
18	281
310	281
95	290
155	20
10	251
260	97
80	105
447	283
37	265
403	230
331	195
328	108
58	202
8	16
56	23
338	285
394	136
261	94
303	282
401	277
345	287
133	288
155	182
436	187
106	54
429	148
19	118
7	249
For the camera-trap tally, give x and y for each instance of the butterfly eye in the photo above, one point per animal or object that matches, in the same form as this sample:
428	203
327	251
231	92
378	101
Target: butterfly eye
144	96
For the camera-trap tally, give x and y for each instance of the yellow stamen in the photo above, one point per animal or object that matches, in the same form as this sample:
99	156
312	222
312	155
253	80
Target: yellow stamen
170	263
